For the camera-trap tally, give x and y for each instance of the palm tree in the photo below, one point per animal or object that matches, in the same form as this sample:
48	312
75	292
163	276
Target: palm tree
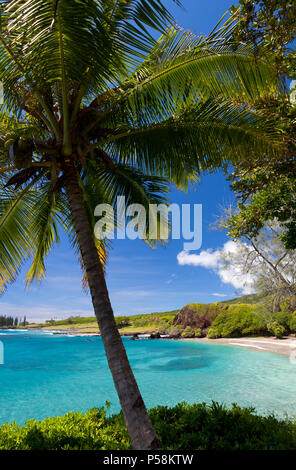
95	107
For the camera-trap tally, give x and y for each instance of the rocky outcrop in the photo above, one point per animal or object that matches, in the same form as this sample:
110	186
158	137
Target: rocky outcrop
155	336
174	333
198	315
134	337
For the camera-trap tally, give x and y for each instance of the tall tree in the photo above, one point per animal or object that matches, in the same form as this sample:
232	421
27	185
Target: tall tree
95	107
271	26
265	186
263	263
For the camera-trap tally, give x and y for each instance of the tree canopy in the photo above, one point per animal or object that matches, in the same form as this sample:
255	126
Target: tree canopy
87	82
265	186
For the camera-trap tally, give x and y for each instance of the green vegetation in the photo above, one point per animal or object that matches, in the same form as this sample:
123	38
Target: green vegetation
155	320
251	320
276	329
265	187
210	311
249	315
244	316
283	323
8	322
127	324
292	322
251	299
189	332
72	321
183	426
237	320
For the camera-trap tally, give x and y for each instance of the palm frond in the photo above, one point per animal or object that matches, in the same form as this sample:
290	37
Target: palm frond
16	243
42	41
198	137
183	68
47	213
137	188
87	80
131	22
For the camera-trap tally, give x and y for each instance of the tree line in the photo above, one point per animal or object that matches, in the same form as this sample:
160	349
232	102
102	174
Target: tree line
10	321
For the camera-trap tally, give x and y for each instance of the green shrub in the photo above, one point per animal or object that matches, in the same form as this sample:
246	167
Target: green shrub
188	332
238	320
214	427
183	426
286	320
198	333
292	322
175	332
283	319
289	305
276	329
122	322
212	334
153	319
161	331
75	431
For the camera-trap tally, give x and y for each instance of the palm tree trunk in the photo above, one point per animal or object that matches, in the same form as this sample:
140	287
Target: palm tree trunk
138	423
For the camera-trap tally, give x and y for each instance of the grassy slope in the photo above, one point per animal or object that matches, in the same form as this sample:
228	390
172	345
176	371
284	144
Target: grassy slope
251	299
144	323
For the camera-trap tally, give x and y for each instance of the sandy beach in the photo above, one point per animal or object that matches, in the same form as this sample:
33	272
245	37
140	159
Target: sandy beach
285	346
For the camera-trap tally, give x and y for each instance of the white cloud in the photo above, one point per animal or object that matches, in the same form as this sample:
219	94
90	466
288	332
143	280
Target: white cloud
212	259
206	259
216	294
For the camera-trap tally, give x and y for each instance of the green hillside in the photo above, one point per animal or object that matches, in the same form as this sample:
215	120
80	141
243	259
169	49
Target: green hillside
251	299
144	323
147	322
127	324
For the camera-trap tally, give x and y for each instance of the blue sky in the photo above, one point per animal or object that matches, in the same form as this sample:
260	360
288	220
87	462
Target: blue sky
141	280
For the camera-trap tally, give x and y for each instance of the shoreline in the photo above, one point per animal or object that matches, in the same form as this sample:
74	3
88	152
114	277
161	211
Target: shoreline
284	347
74	331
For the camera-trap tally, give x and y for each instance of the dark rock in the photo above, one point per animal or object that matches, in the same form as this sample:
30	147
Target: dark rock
155	336
135	336
174	333
198	315
205	332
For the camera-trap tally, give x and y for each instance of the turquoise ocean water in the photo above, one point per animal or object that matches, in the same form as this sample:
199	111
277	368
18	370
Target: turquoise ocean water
48	375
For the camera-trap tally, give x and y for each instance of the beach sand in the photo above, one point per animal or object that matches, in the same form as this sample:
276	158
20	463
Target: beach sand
285	346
